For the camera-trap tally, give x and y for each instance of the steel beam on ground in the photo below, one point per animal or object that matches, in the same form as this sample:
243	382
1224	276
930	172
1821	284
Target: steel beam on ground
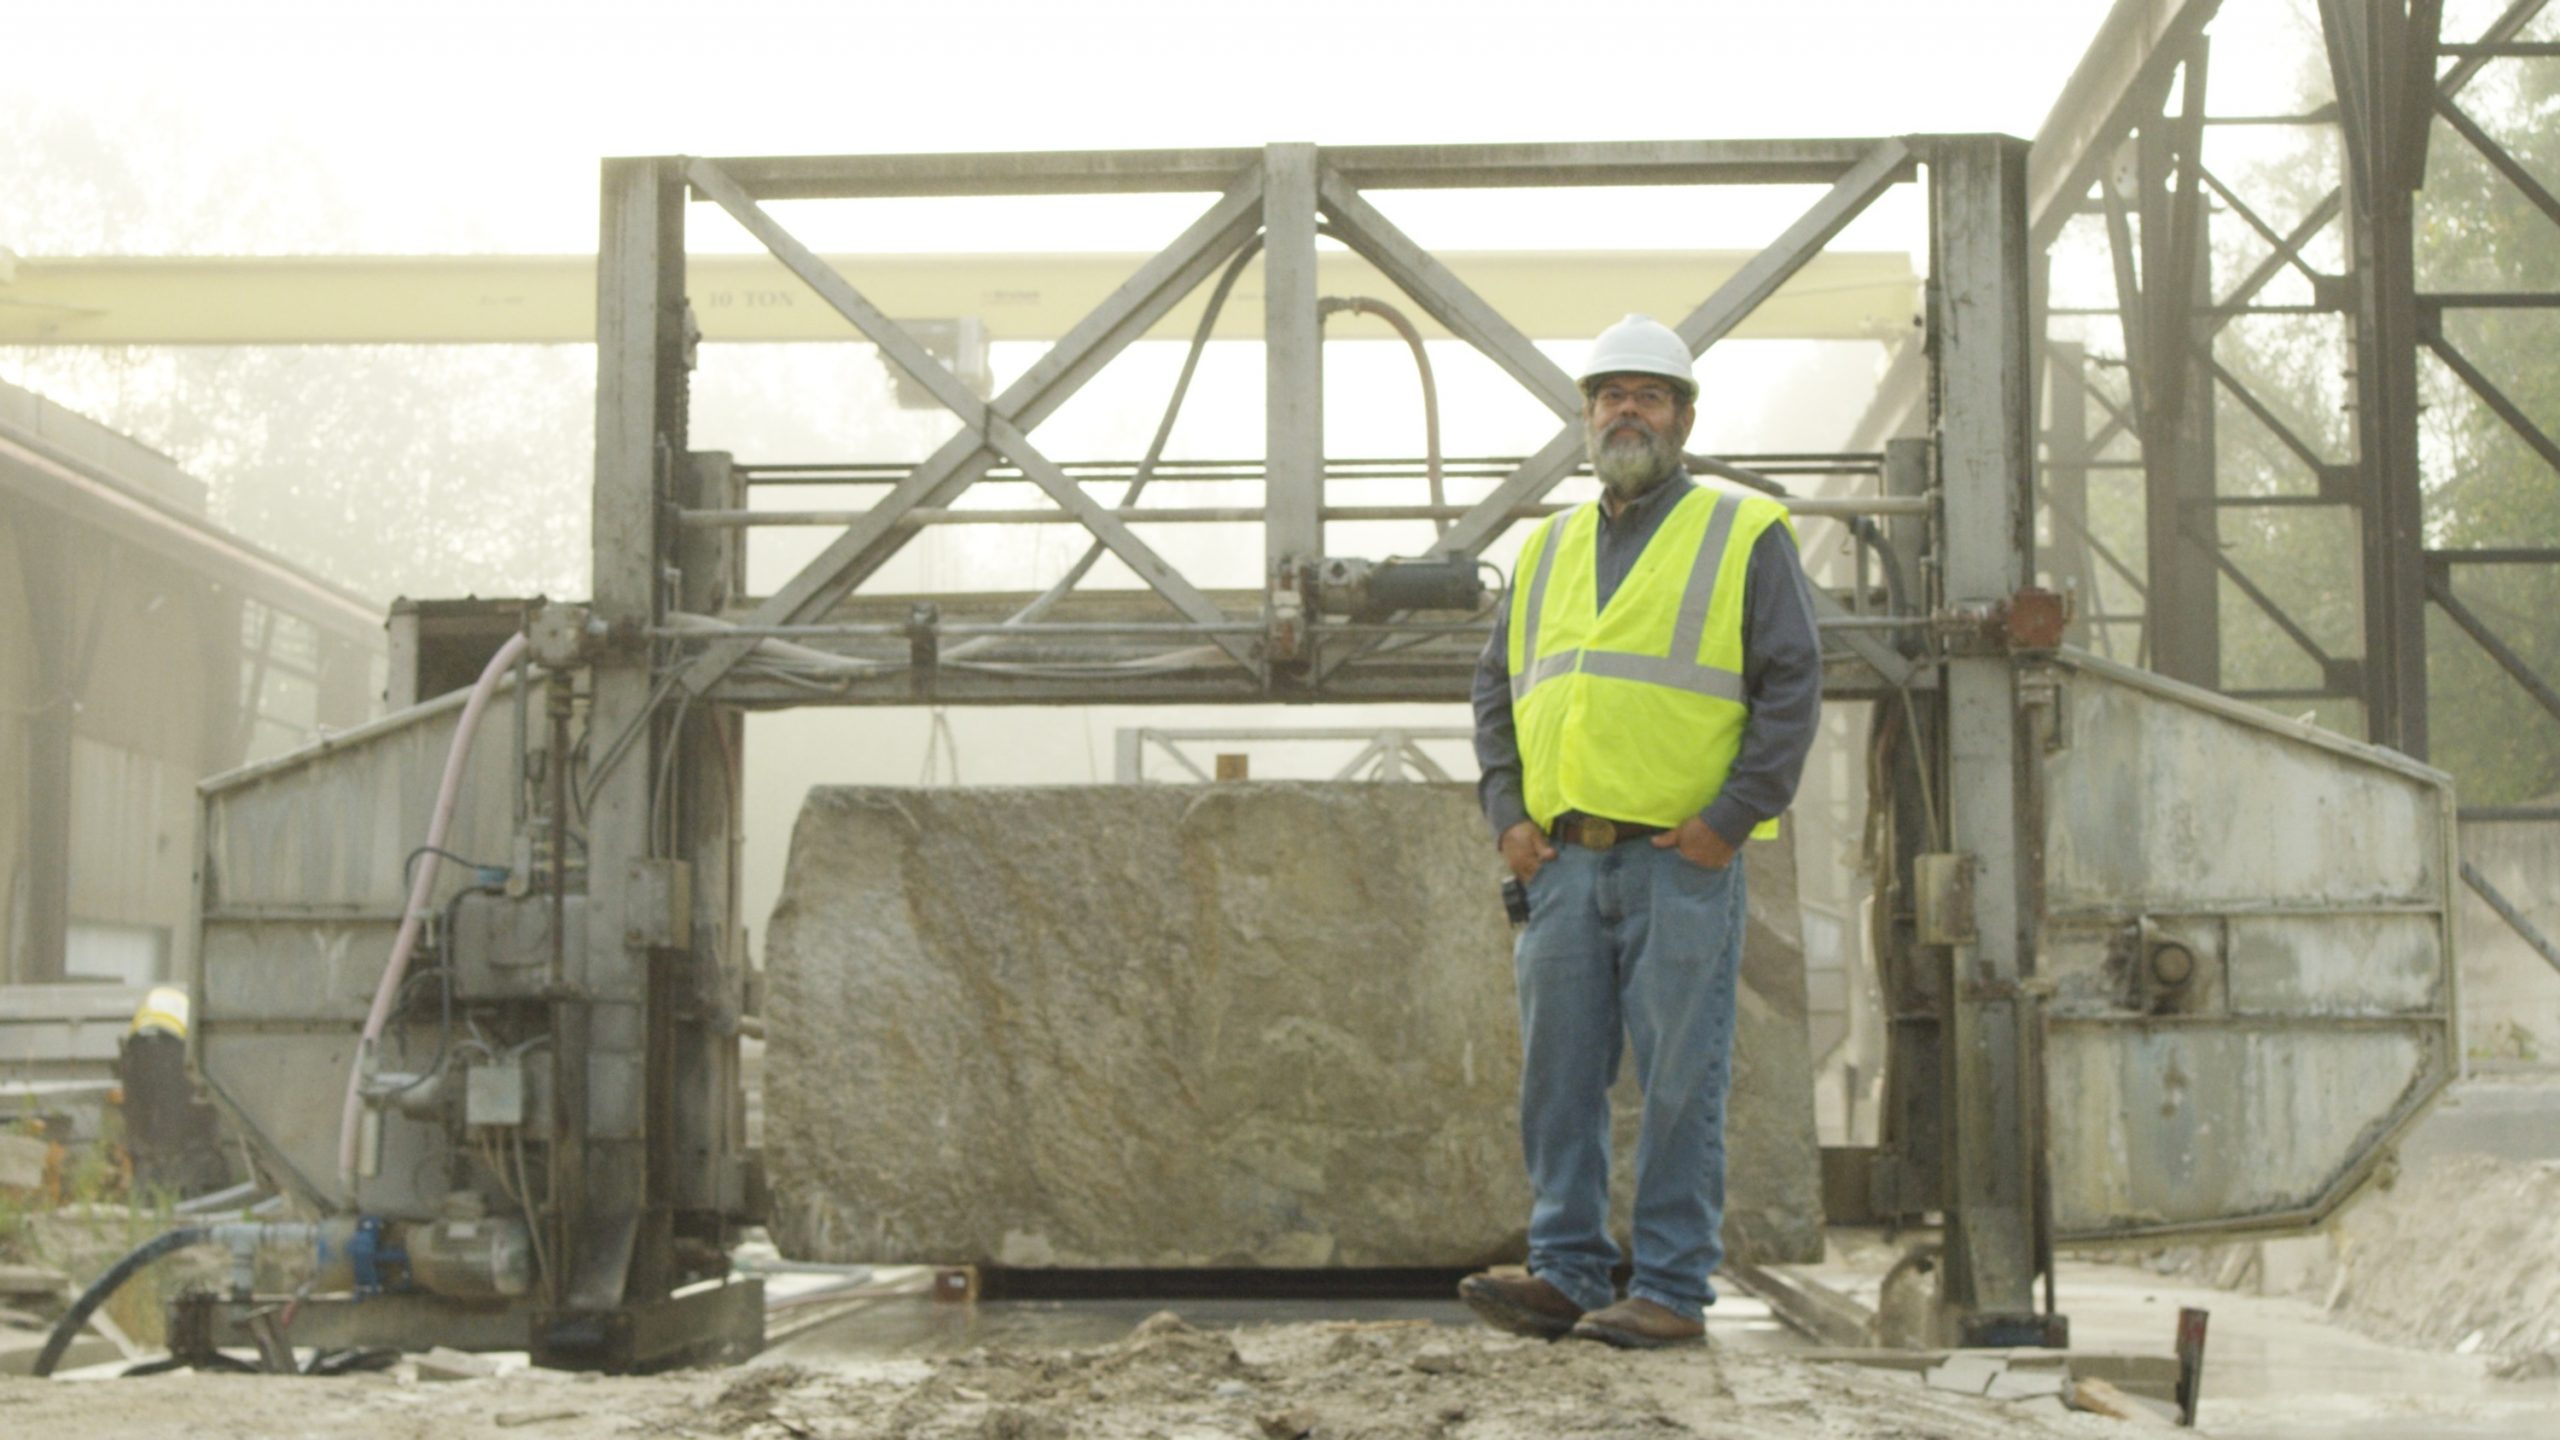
1985	466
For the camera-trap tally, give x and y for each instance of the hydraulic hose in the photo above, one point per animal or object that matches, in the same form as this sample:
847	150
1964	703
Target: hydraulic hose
387	993
1363	305
1047	599
108	1284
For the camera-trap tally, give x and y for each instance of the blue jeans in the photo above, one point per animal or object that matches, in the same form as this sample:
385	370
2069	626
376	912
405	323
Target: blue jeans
1638	944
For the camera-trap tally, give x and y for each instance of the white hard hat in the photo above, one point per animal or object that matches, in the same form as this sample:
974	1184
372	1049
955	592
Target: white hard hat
1641	345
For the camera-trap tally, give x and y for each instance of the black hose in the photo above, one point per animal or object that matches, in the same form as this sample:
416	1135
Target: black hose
106	1285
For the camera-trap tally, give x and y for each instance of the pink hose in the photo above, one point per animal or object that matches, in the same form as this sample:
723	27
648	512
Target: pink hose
424	885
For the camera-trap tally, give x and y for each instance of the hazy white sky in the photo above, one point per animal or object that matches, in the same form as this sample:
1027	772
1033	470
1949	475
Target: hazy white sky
363	125
475	125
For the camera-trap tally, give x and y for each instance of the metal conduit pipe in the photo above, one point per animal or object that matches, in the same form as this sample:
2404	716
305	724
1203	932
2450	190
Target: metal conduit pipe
1364	305
1155	449
1842	507
387	992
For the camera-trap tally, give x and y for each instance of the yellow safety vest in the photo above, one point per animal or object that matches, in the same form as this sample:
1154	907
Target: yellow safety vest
1634	711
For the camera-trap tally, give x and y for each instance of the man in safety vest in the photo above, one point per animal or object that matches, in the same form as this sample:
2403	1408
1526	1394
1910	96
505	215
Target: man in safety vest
1643	708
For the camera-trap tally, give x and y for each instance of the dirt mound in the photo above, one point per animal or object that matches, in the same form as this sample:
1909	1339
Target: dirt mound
2459	1254
1376	1381
1168	1381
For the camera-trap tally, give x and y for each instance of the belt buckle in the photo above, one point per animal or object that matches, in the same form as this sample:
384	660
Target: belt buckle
1599	834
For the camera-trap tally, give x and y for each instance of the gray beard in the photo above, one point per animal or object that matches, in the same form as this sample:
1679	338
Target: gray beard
1629	470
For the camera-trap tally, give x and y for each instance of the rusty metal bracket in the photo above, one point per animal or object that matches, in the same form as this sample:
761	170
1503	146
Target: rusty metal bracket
2191	1323
2031	621
1943	898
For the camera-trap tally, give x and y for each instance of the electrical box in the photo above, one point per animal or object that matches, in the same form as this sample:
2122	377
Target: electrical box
502	946
493	1093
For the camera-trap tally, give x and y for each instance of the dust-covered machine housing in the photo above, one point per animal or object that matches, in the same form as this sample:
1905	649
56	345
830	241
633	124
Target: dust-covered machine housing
2116	915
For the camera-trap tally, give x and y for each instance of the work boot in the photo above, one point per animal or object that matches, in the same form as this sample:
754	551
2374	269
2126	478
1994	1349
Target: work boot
1634	1324
1521	1304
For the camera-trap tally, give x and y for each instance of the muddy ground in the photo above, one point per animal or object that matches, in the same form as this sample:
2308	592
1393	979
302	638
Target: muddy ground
1169	1380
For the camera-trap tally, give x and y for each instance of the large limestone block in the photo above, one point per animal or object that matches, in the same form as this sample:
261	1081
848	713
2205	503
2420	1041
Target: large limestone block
1241	1025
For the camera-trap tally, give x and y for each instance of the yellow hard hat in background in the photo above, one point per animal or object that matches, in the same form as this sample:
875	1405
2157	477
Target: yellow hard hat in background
164	1011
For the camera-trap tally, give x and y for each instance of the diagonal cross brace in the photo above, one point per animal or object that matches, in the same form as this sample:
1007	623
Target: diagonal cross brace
1732	303
2507	911
997	428
1443	296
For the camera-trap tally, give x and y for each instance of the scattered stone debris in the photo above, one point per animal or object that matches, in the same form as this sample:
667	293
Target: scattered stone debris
1168	1380
2458	1254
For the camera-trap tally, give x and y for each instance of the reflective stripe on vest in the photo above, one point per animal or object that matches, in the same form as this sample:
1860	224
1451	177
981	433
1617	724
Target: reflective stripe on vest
1634	709
1686	635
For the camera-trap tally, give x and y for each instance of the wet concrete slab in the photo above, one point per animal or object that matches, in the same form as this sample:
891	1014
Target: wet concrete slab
2279	1369
2275	1368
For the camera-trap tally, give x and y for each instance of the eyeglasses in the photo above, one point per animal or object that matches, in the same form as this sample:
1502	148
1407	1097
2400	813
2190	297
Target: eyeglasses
1643	397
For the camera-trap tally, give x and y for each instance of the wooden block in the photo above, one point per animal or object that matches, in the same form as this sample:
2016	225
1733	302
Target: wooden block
443	1364
37	1280
22	1162
2100	1398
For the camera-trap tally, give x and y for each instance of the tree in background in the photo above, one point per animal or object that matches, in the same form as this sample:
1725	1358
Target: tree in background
394	469
2485	487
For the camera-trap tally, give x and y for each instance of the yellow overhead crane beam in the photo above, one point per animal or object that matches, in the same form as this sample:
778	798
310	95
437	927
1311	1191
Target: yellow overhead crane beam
551	299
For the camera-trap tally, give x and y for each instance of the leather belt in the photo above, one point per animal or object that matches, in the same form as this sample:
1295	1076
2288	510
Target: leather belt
1595	833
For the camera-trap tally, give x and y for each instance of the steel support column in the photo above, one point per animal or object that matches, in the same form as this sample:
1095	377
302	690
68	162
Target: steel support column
2066	484
610	1228
2173	391
41	927
2382	57
1979	276
1293	384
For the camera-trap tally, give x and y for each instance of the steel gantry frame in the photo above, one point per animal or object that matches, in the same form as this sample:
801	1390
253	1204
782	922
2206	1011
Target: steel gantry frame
2139	109
676	648
1273	645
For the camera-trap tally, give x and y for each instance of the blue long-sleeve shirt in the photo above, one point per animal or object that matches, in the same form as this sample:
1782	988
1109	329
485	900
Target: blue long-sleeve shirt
1781	675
